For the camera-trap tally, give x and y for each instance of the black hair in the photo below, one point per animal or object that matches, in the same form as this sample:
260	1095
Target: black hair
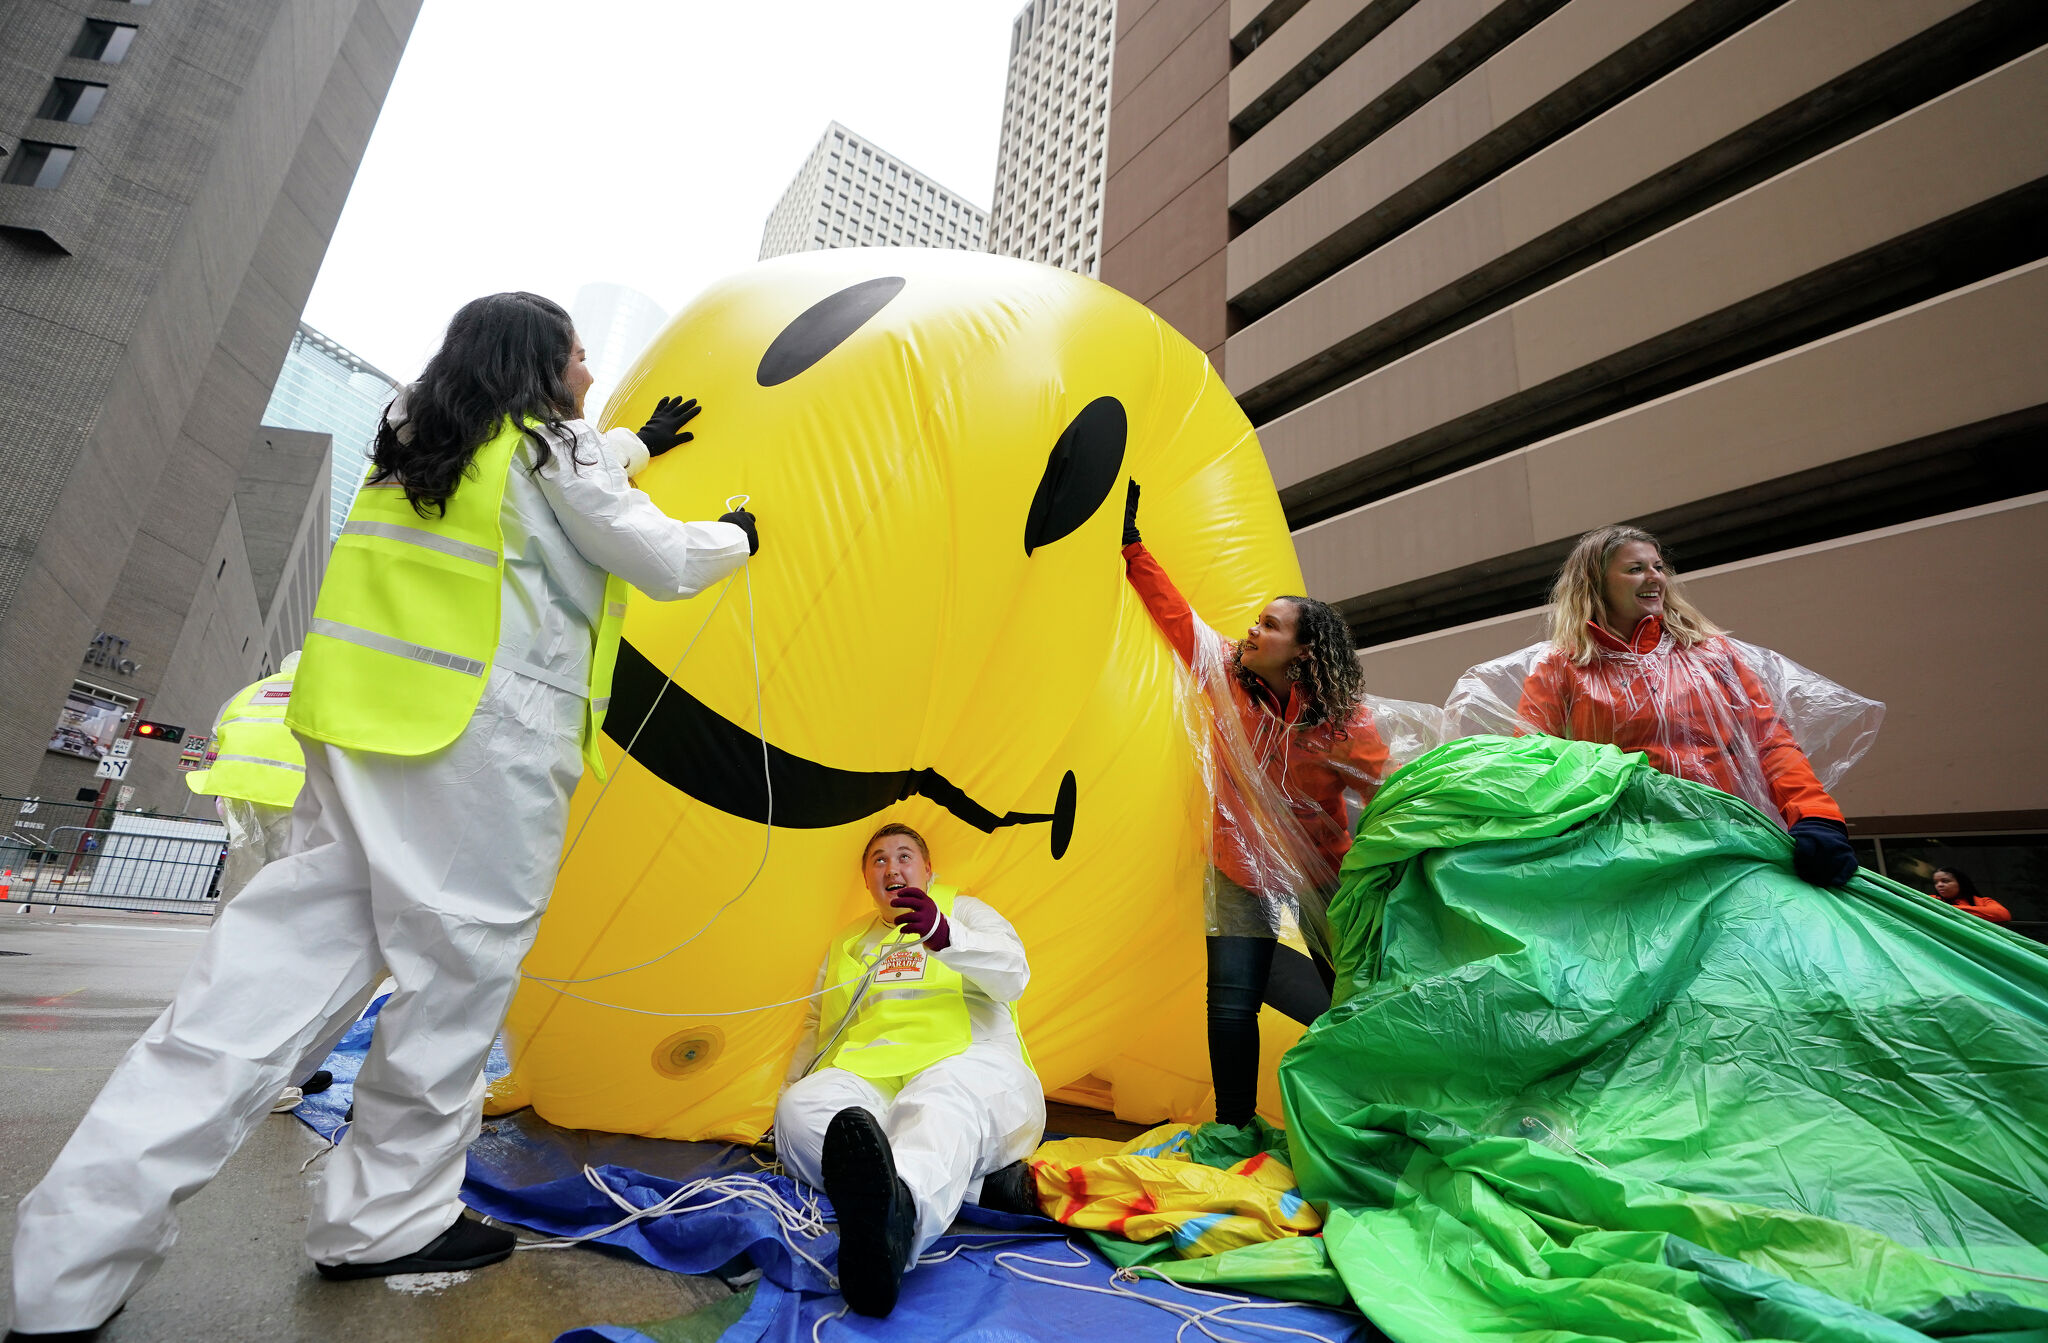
1329	675
504	356
1965	888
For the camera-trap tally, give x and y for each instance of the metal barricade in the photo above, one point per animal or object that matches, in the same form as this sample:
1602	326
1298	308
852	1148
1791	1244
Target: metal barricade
77	854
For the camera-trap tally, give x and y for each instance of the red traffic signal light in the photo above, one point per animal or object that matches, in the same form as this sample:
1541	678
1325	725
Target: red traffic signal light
159	731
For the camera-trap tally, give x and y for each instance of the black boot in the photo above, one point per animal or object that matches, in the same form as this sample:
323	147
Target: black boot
877	1219
1012	1189
467	1244
317	1083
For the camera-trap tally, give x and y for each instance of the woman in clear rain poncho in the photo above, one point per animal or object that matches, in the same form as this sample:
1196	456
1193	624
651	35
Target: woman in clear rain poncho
1632	663
1289	741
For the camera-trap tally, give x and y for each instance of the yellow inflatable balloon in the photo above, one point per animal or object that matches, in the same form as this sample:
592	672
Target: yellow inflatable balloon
936	630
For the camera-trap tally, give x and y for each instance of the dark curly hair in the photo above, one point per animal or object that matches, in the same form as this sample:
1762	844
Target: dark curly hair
1330	679
503	356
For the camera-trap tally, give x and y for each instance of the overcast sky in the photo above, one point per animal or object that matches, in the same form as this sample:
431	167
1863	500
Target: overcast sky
542	146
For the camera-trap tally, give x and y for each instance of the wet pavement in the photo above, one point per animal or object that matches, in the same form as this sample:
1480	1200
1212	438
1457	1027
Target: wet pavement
77	990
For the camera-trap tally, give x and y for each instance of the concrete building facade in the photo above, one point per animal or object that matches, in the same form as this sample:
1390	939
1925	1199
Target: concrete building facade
1047	204
853	193
1768	277
326	388
148	295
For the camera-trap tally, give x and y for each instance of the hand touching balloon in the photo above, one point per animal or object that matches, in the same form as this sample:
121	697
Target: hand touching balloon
664	428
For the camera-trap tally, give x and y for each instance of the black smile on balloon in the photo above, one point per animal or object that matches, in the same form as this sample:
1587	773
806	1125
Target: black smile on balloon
695	749
692	747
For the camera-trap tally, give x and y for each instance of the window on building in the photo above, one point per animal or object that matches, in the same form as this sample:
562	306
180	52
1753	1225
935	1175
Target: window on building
36	164
104	42
71	100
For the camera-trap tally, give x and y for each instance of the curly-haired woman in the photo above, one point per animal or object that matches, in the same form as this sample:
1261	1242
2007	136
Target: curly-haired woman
1293	735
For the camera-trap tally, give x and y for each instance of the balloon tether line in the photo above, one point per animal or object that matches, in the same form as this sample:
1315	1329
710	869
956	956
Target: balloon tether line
889	945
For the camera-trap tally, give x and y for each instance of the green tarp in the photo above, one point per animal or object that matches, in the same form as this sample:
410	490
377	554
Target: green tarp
1602	1067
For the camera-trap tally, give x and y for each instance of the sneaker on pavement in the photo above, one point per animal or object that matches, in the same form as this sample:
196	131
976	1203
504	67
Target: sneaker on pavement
467	1244
287	1101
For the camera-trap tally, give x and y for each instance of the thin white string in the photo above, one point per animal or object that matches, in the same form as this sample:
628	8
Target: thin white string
1190	1316
801	1216
767	828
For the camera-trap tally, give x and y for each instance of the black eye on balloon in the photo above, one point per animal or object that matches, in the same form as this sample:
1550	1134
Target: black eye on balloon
823	327
1084	467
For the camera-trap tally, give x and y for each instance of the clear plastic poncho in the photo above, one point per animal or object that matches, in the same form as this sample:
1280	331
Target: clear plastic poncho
1285	801
1740	718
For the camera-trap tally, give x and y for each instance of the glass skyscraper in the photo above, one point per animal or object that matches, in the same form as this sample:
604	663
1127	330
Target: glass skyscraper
326	388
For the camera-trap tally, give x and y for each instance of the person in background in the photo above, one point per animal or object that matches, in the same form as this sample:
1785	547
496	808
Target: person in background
911	1090
450	692
253	776
1631	662
1953	885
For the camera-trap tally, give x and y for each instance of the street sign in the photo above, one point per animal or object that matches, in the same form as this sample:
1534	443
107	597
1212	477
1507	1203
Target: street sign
121	746
113	767
194	755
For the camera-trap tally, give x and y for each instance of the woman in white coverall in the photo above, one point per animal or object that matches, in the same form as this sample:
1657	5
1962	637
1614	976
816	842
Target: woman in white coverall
910	1087
434	866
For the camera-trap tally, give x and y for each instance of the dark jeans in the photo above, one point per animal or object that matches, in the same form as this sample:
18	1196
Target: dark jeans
1243	973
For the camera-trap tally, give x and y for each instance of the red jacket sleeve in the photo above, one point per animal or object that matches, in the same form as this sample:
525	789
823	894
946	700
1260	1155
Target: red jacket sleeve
1985	907
1543	696
1787	772
1170	611
1363	754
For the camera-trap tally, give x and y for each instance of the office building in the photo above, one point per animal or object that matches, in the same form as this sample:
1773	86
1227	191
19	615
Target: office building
1769	277
614	322
852	193
326	388
1048	197
172	175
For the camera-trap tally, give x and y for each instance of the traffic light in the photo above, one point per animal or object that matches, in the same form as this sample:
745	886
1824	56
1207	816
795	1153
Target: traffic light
160	731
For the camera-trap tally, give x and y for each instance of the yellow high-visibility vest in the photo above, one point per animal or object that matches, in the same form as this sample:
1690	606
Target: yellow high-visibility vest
406	628
913	1014
257	759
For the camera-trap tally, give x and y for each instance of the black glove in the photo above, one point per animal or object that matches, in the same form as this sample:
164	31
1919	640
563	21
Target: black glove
664	428
743	520
1821	852
1131	537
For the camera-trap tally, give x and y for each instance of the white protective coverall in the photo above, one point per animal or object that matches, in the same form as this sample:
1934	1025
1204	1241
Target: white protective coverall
433	868
956	1121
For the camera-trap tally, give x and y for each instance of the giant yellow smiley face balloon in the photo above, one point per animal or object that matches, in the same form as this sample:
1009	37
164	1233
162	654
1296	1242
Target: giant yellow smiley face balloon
936	630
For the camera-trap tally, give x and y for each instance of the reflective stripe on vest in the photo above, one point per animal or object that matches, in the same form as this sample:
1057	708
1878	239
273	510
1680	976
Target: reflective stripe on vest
903	1025
258	759
405	631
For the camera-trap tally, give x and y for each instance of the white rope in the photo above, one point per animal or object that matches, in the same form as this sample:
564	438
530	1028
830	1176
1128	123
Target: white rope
1190	1316
801	1216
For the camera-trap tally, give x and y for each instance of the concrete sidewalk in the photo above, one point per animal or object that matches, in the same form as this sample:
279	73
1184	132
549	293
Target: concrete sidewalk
76	988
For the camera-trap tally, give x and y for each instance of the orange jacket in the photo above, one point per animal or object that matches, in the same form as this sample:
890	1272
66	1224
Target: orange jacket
1696	713
1313	768
1984	907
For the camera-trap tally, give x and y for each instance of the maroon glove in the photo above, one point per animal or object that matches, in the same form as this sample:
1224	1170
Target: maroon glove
923	918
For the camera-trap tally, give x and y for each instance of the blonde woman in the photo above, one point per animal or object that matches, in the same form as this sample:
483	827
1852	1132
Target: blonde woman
1632	663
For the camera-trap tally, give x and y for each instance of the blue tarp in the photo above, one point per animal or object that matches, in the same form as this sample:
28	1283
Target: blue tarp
526	1171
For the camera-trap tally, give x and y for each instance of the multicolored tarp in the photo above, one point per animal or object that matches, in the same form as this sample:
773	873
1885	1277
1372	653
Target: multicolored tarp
1155	1186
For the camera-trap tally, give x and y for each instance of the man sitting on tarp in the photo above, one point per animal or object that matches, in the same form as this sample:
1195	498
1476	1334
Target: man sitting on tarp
911	1083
